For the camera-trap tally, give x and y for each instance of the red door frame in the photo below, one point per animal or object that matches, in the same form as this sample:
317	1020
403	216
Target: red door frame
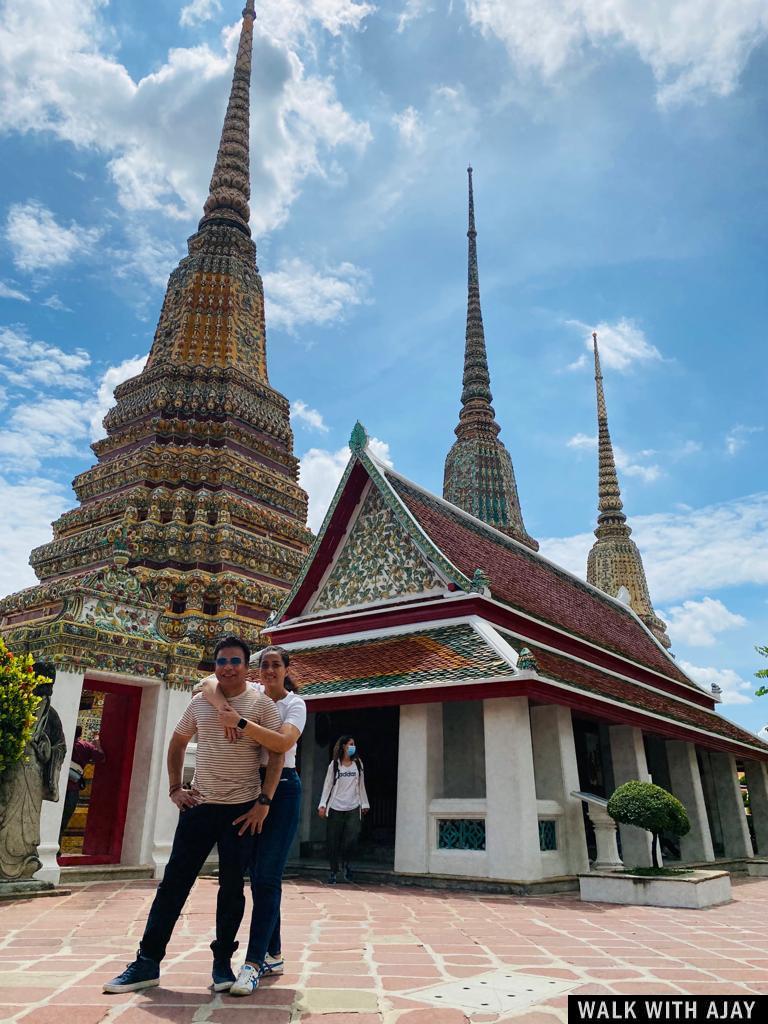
122	770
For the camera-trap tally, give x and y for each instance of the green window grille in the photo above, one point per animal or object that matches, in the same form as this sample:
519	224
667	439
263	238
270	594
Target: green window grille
547	834
460	834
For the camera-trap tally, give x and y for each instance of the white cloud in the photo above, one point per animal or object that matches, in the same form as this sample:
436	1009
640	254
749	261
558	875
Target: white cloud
159	133
737	438
735	690
298	293
38	242
697	623
7	292
308	417
36	502
621	345
689	552
105	397
412	11
693	47
27	363
627	464
54	302
320	471
409	126
146	257
198	11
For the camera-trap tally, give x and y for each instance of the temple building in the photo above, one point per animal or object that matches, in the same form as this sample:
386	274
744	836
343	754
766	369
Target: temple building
486	686
191	525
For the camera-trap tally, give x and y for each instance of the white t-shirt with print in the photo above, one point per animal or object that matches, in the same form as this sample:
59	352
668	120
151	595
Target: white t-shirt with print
346	794
292	710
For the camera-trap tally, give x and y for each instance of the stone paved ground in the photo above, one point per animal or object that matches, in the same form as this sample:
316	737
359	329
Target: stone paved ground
359	955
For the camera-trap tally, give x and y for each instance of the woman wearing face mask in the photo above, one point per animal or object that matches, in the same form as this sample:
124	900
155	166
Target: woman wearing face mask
343	802
270	850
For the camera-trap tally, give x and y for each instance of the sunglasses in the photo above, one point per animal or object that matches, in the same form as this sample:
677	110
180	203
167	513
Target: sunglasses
221	662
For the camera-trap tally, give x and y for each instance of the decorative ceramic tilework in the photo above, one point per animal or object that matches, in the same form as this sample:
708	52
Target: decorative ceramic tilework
461	834
378	561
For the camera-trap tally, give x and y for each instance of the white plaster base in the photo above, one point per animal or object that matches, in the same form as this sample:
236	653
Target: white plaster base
693	891
758	868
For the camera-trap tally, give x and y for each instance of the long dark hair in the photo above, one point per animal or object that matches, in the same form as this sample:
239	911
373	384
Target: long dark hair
285	657
338	753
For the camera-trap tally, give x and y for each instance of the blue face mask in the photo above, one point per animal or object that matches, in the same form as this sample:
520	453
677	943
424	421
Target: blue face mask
351	750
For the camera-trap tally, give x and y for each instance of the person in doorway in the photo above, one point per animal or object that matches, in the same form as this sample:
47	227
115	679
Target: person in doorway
270	849
226	805
83	754
343	803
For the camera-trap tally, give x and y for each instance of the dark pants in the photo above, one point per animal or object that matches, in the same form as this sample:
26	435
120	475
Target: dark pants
199	830
343	830
270	852
70	803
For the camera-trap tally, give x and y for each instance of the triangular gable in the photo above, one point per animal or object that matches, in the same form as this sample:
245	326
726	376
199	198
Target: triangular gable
377	561
363	472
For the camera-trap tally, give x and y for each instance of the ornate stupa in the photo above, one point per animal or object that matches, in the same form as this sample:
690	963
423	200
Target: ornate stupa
193	509
479	476
614	563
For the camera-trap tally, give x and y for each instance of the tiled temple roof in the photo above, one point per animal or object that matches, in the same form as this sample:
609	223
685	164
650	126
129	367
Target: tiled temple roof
445	654
530	583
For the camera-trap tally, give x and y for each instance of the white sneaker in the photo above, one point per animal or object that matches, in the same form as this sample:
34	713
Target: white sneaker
247	981
272	965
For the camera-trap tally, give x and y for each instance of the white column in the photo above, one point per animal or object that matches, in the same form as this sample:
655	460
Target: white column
162	815
419	781
557	776
65	698
733	817
308	804
148	757
685	779
628	757
511	823
756	773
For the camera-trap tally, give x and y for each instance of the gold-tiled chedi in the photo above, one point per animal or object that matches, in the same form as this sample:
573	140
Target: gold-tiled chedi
614	561
479	476
197	474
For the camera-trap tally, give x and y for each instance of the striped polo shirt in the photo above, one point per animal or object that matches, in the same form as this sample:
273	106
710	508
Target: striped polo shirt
228	773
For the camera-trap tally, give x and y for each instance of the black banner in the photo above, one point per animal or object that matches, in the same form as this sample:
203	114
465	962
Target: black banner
667	1008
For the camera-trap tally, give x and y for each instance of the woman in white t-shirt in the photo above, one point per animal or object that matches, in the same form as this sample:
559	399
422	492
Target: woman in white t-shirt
270	850
343	803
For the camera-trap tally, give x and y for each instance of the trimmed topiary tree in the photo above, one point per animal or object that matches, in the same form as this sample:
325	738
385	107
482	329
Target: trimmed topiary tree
650	807
18	704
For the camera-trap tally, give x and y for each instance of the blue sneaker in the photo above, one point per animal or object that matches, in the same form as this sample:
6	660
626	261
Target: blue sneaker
247	981
142	973
222	975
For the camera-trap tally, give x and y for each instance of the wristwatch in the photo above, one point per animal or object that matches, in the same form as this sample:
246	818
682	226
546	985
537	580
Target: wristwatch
262	798
242	723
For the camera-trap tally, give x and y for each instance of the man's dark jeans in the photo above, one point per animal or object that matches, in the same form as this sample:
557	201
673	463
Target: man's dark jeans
270	852
199	830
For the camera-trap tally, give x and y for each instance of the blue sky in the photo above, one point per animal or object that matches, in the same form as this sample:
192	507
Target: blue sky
620	181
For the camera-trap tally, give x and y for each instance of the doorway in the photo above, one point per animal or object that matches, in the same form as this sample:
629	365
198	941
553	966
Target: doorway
94	834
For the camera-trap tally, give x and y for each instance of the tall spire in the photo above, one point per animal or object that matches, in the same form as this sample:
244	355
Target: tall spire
614	563
479	476
230	187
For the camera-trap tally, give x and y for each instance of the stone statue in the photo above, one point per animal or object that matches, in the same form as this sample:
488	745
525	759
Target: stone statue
23	788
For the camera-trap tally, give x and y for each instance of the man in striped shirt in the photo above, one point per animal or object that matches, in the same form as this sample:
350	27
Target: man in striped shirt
225	807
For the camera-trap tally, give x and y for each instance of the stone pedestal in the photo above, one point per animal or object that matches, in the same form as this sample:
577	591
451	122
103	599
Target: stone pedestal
512	825
607	858
685	780
628	757
419	781
756	775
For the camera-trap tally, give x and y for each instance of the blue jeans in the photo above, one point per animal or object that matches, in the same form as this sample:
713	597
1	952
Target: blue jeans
270	852
199	830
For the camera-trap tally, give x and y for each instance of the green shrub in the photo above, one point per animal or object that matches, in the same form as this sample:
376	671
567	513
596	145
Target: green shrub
650	807
18	704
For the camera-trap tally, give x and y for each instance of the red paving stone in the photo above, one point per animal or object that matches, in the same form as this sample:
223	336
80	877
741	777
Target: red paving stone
377	946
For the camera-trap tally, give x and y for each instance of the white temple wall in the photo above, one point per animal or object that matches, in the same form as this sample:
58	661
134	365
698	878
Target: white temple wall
65	698
756	775
419	782
463	750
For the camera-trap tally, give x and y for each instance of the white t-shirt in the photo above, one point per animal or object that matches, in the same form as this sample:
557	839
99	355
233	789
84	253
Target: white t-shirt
292	710
346	793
